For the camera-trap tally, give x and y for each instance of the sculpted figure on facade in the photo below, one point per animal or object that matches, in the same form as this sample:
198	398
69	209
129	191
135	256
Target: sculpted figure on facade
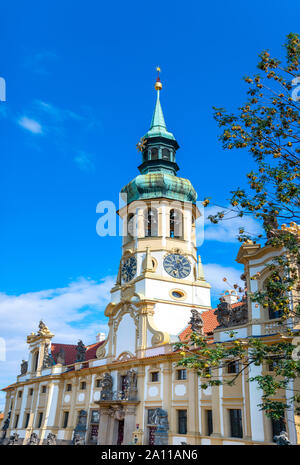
5	426
78	440
282	439
13	440
33	440
131	385
196	322
51	439
106	384
80	351
80	429
160	419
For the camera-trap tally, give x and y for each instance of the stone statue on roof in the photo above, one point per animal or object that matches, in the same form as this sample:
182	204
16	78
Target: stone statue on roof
24	367
80	351
61	357
196	322
48	358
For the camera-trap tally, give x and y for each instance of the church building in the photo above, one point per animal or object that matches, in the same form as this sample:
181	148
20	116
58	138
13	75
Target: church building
127	388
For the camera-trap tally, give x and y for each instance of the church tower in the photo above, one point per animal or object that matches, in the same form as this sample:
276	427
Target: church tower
160	279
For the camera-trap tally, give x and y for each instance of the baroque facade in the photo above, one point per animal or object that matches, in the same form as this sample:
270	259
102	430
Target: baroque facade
127	388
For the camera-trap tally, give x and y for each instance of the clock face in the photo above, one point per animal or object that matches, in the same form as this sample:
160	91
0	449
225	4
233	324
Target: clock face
128	270
177	266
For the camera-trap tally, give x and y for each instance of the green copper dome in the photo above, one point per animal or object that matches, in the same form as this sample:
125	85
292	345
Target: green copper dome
157	185
158	169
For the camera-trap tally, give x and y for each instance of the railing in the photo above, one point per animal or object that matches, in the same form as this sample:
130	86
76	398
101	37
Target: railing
119	396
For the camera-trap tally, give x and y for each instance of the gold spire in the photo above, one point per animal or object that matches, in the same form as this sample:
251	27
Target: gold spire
158	84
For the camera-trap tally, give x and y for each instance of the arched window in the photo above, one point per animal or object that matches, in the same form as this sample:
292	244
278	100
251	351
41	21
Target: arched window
166	154
151	223
35	361
154	154
176	224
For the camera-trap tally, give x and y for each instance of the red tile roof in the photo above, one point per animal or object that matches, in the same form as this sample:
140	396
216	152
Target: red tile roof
70	351
210	322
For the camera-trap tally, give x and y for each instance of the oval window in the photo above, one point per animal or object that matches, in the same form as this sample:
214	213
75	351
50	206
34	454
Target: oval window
177	294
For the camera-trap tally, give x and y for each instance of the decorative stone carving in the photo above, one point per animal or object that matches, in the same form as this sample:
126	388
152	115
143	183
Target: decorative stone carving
43	329
24	367
13	440
125	356
101	351
80	351
5	427
282	439
131	385
228	316
160	418
106	384
80	429
196	322
33	440
119	414
48	358
51	439
6	422
78	440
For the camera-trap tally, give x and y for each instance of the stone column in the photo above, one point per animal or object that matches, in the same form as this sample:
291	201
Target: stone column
217	408
129	423
103	426
193	401
255	398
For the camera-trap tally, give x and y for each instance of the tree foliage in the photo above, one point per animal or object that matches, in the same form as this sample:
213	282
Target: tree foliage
267	126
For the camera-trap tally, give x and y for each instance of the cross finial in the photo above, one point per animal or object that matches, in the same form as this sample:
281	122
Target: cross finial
158	84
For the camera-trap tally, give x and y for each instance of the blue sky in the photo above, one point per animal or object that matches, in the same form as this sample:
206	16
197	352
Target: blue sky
80	94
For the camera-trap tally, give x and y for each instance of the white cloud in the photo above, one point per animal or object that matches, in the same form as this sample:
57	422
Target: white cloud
58	114
214	275
30	124
84	162
226	230
73	312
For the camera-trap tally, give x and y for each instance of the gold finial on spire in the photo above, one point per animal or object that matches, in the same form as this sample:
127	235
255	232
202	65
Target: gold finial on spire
158	84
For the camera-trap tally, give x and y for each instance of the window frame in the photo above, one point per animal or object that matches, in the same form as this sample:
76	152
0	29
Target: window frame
40	419
236	424
65	419
181	370
209	425
154	372
180	420
26	420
